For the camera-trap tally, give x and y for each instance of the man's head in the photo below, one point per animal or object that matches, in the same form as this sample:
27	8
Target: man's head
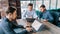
30	6
42	8
11	13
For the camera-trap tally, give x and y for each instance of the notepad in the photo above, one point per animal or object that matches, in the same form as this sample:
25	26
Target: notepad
36	25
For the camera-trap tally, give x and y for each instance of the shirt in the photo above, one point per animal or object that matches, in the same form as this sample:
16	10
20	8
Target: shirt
7	27
45	15
28	14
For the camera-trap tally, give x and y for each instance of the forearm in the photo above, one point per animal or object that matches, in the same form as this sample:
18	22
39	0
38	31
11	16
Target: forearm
23	32
19	26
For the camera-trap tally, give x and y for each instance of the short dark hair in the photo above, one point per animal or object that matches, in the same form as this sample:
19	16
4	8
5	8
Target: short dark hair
10	10
30	4
43	6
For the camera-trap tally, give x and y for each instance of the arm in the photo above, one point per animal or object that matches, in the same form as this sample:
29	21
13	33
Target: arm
16	24
50	18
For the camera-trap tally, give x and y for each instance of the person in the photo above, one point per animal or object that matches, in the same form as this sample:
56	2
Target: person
8	24
44	14
30	12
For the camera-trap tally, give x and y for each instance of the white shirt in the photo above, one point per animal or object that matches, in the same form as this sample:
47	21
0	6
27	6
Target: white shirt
28	14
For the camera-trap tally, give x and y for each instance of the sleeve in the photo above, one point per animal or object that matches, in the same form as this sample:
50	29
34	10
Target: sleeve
50	18
16	25
7	29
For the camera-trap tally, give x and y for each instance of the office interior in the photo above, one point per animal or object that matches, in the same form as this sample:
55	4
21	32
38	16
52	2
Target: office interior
51	5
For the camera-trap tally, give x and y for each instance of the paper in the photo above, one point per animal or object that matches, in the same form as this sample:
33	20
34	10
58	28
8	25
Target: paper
36	25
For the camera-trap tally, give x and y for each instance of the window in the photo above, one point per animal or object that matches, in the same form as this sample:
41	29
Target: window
53	4
38	3
24	5
58	5
50	4
46	3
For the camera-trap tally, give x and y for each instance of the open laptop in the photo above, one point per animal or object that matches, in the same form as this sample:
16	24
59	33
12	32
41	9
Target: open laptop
31	20
37	25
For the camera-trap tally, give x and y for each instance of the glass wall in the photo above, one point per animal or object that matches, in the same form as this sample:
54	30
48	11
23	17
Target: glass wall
58	4
38	3
46	3
53	4
23	7
50	4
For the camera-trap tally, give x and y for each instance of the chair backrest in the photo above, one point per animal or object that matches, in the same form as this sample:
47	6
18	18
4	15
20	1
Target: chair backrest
55	15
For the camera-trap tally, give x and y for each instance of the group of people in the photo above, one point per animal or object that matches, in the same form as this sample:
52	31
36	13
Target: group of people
42	13
8	23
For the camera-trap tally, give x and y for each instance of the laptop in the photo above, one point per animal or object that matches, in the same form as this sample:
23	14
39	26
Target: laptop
38	26
31	20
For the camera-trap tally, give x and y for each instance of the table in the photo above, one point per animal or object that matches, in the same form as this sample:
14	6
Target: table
52	29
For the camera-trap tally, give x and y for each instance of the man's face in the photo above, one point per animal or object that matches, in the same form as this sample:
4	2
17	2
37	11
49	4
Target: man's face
42	9
14	15
30	8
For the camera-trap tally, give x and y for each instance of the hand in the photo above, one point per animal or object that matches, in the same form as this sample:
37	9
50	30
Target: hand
45	20
28	28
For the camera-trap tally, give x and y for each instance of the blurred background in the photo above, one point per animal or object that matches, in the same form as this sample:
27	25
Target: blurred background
21	5
52	5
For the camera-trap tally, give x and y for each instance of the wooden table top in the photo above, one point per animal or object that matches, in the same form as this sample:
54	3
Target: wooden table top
52	28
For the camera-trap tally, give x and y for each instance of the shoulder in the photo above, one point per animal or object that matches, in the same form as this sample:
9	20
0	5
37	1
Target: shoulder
47	11
4	21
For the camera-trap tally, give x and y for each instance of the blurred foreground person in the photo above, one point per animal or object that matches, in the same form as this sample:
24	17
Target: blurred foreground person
8	24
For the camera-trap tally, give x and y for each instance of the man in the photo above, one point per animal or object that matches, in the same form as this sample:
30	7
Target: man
30	13
8	24
44	14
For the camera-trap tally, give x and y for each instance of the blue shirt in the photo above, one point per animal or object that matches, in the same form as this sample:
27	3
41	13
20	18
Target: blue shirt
45	15
7	27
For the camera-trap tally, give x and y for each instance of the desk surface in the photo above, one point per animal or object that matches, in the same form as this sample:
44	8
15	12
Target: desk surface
52	28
